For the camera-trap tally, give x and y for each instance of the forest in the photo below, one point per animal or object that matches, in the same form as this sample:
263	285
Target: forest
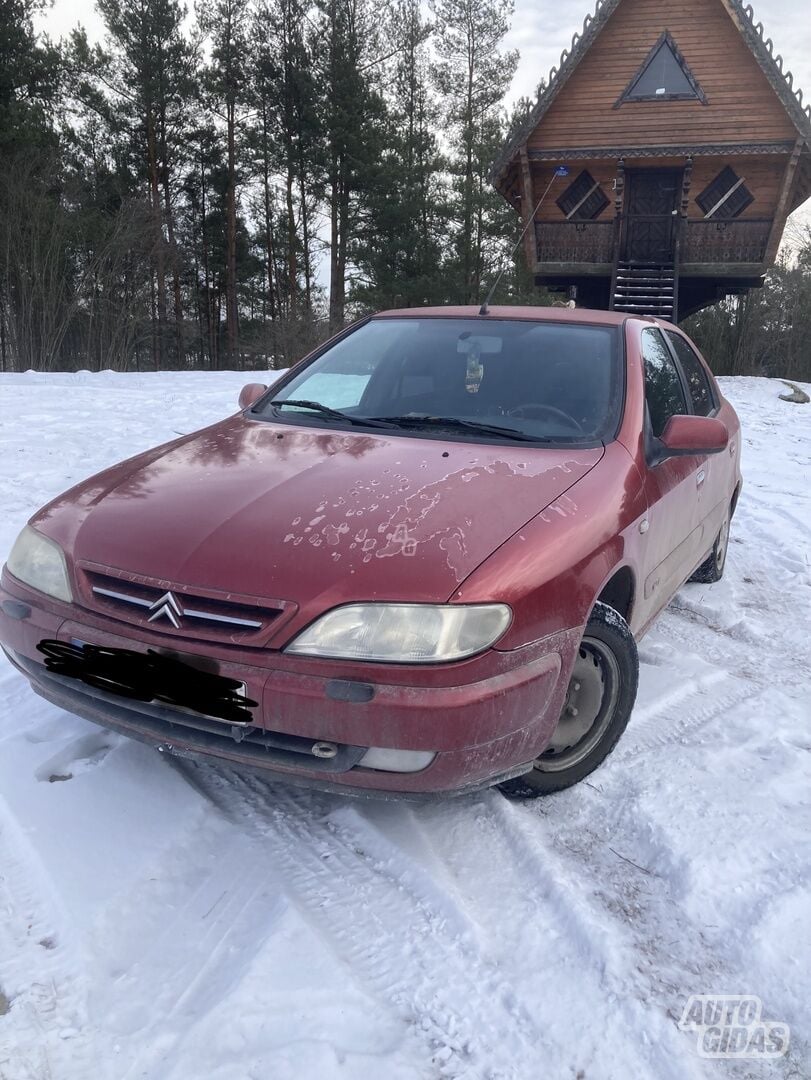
222	188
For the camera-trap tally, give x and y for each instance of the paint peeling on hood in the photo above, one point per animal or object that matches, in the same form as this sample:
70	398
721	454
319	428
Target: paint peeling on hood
313	516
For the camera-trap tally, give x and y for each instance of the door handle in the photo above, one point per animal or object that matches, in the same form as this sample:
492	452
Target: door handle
701	476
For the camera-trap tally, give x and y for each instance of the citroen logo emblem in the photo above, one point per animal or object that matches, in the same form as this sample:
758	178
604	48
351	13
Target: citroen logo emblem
166	607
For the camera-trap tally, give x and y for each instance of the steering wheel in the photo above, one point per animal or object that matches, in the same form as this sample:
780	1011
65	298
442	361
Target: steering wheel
550	410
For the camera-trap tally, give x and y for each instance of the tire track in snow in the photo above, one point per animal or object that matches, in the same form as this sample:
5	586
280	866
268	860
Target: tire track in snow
673	952
194	959
46	1031
672	718
519	846
564	860
411	947
742	647
426	948
787	564
750	500
667	954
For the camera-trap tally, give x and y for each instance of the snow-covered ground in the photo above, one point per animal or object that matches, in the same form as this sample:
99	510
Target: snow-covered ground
173	922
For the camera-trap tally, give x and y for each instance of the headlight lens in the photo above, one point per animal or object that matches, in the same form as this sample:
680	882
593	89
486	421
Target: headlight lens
39	562
403	633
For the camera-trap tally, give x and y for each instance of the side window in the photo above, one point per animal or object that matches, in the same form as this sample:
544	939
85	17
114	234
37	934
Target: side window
663	389
697	381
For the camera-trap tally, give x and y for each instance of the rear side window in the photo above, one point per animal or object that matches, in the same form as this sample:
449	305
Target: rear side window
697	381
663	388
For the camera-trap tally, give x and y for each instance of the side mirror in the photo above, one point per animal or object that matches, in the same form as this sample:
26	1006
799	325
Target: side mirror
687	435
250	393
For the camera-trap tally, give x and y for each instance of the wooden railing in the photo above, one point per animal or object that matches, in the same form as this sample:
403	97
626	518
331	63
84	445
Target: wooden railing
726	241
594	242
575	241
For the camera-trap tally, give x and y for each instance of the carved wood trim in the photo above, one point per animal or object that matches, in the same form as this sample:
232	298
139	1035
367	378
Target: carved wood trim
681	151
687	178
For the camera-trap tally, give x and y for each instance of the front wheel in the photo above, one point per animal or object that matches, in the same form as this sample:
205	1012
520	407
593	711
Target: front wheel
599	700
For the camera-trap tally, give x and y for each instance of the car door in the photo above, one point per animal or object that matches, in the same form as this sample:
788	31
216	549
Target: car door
674	537
715	489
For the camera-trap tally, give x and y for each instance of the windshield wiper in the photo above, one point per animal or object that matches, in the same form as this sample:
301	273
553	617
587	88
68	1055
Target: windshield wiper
326	411
415	421
465	425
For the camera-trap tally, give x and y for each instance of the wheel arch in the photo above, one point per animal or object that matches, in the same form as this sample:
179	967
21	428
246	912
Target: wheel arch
735	496
619	592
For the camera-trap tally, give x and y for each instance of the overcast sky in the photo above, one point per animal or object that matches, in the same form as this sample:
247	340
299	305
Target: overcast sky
541	30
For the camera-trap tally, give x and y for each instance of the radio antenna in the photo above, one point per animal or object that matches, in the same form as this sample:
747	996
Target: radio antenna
561	170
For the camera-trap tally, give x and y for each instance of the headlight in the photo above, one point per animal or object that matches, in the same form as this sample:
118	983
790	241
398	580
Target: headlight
403	633
39	562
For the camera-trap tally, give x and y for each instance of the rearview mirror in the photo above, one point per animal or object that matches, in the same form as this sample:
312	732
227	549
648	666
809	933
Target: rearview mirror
250	393
687	435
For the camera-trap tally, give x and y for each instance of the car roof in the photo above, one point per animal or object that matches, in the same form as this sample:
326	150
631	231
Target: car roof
532	314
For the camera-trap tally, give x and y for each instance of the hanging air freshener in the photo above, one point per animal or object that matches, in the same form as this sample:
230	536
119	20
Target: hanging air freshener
474	373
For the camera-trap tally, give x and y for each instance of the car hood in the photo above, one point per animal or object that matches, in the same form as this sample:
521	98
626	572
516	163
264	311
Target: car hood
310	515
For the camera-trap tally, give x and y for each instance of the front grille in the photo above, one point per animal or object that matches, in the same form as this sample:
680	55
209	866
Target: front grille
180	610
287	749
160	725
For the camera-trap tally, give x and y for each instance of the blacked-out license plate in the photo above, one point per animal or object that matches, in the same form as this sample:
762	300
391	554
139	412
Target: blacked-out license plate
150	677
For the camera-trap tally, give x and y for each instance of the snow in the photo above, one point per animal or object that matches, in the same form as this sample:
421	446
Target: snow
165	921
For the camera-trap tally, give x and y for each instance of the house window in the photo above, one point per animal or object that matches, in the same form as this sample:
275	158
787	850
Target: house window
664	76
583	199
726	197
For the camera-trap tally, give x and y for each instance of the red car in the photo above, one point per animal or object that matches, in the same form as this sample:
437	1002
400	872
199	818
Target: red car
418	564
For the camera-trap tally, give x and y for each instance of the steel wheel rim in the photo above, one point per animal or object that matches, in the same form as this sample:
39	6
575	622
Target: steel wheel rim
588	710
721	544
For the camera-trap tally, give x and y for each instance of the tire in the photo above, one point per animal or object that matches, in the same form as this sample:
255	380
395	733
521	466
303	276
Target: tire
712	569
601	693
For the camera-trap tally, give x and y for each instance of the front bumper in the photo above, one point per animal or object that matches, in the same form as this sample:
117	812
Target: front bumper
486	719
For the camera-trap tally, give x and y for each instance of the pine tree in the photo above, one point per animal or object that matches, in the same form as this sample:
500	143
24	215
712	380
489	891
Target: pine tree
397	248
226	23
142	81
353	118
284	140
472	73
203	224
30	73
30	70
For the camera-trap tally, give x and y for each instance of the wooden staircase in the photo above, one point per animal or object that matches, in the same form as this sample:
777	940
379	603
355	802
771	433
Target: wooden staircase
645	289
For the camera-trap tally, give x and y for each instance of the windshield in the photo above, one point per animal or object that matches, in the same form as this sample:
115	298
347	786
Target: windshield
475	379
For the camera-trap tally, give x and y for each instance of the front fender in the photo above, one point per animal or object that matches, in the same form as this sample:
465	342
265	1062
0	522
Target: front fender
554	568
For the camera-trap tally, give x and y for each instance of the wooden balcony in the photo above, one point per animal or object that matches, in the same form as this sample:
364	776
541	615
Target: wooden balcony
726	242
708	248
585	243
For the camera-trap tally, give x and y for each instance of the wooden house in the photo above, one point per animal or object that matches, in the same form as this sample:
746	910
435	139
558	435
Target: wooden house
672	146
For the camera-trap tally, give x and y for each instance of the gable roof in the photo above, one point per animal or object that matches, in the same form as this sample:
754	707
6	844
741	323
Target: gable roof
762	49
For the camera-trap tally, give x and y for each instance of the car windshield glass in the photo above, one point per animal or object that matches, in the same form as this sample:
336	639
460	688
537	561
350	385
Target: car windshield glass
467	378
